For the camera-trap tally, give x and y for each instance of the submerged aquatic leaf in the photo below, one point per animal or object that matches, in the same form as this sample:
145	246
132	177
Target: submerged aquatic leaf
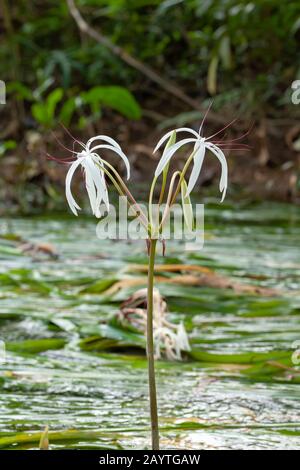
243	358
99	286
44	441
33	346
63	437
248	398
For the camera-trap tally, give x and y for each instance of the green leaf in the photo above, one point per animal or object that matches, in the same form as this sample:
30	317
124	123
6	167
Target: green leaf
44	112
39	113
52	100
7	145
225	52
67	110
239	358
57	436
99	286
113	337
114	97
32	346
44	440
21	91
212	75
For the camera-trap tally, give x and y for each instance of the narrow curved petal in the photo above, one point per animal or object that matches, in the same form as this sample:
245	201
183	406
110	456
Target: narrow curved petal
91	189
198	162
171	141
224	169
96	185
105	138
168	155
71	201
104	195
105	198
168	134
119	152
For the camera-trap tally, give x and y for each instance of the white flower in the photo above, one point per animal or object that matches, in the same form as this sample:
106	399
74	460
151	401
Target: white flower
93	165
201	144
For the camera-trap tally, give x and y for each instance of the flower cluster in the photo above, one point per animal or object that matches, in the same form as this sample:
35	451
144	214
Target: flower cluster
96	168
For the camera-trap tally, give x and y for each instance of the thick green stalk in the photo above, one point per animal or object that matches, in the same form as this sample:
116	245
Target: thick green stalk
150	348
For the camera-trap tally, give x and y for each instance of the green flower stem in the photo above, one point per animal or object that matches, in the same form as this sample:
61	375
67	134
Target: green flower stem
172	199
163	184
169	198
150	348
128	193
123	191
183	172
150	205
112	179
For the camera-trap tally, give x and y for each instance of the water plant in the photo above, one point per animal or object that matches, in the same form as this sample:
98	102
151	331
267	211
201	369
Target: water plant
97	169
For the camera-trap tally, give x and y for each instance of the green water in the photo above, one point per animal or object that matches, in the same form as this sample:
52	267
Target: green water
212	403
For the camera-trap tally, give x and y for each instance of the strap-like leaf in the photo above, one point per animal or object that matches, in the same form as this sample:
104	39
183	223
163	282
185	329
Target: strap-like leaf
187	207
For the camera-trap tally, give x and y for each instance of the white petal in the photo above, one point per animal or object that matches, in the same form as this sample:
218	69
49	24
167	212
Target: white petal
97	194
105	196
224	173
71	201
198	161
119	152
105	138
170	152
91	189
168	134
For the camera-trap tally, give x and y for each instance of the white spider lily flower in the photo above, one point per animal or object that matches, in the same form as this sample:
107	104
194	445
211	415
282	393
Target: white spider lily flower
92	165
201	144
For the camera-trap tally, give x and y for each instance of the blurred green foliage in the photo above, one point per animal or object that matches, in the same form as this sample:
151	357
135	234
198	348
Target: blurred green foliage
7	145
246	53
114	97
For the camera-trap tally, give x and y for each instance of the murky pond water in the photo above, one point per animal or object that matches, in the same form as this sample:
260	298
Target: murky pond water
227	399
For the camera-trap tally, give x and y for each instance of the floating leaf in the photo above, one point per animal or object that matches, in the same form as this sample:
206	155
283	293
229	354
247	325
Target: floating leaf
35	345
99	286
244	358
44	441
